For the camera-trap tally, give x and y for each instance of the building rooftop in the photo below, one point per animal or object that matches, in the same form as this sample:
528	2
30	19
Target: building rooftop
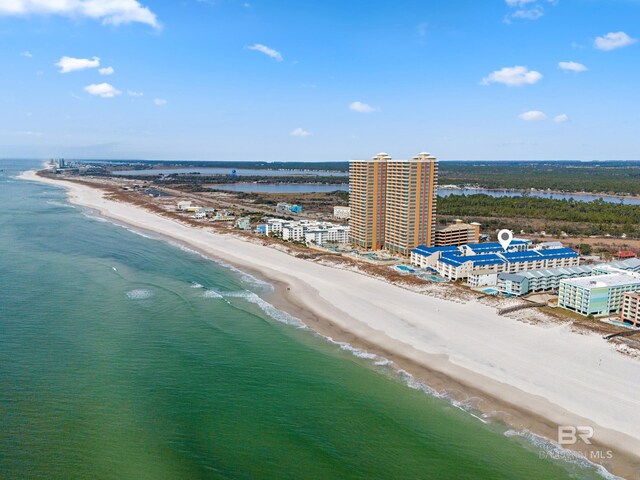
547	272
477	260
605	280
630	264
475	248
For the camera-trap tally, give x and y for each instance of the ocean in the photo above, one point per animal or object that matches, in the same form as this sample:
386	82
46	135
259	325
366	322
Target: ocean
123	356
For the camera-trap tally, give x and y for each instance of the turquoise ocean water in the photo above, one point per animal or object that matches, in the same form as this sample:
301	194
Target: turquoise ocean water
125	357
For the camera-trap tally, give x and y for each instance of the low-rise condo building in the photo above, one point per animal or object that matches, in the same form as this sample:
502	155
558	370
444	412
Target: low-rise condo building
320	236
630	312
467	261
308	231
597	295
458	233
545	280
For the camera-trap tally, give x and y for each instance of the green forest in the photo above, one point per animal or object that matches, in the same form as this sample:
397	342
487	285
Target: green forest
614	177
553	216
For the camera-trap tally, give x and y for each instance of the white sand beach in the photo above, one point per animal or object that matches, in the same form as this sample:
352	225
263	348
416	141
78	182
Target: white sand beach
548	370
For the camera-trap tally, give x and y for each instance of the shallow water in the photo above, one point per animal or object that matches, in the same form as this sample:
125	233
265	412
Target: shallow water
123	356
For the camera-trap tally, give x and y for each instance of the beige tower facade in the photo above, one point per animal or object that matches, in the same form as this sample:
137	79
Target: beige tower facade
411	203
367	199
393	202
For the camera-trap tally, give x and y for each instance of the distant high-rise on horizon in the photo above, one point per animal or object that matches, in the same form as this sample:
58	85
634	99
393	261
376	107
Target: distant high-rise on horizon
393	202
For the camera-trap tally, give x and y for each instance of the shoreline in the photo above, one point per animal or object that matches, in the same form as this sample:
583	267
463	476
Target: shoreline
385	320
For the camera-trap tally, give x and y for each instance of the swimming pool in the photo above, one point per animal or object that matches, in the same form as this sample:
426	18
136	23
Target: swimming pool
404	268
490	291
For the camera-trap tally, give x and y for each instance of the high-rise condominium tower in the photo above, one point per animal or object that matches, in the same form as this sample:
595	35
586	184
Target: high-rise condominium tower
367	199
393	202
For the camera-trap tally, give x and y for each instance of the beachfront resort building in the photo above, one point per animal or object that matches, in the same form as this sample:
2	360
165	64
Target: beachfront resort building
393	202
630	312
598	295
544	280
307	231
548	280
458	233
367	201
478	261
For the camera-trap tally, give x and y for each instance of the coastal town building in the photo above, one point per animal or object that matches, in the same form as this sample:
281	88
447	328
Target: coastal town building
630	312
243	223
458	233
341	213
427	257
478	261
598	295
486	277
322	235
308	231
544	280
284	207
624	254
393	202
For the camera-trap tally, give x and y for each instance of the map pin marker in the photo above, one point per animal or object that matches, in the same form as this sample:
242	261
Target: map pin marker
504	237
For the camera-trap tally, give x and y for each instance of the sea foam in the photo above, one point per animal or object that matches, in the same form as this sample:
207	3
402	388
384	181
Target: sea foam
139	294
267	308
552	450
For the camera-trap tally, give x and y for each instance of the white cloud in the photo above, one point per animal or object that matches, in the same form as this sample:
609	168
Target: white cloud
300	132
113	12
267	51
103	90
518	3
70	64
563	117
532	116
513	76
613	40
572	66
361	107
106	71
27	54
131	93
532	13
160	102
526	9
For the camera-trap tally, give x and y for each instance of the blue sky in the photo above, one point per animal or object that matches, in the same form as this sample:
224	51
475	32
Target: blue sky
320	80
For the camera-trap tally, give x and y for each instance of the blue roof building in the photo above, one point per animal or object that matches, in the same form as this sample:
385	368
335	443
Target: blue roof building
459	262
